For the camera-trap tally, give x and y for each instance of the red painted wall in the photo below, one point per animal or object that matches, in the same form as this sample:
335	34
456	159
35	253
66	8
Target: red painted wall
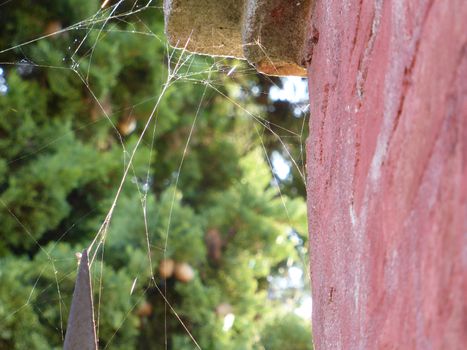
387	176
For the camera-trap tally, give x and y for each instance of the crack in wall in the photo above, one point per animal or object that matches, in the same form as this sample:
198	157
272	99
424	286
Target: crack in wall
363	64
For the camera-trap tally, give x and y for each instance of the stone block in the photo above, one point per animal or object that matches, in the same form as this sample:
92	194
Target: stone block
270	34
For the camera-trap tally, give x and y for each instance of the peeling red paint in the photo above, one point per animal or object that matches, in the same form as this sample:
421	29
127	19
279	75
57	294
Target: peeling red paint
387	174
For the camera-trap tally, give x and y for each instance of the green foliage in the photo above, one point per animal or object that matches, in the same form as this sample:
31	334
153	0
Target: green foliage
63	151
21	327
277	335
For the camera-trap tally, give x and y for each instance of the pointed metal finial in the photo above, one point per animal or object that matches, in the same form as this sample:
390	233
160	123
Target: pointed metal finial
81	330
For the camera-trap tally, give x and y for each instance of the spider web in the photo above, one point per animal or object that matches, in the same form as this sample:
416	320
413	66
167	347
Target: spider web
182	68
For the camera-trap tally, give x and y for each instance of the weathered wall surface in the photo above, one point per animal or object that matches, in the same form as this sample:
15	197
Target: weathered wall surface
387	184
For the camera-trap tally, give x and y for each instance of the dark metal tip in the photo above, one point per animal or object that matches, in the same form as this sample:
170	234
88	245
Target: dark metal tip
81	330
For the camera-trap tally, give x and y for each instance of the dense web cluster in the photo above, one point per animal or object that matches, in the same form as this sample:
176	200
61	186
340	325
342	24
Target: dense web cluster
182	175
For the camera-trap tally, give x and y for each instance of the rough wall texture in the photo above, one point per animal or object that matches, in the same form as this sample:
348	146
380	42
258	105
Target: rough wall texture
387	182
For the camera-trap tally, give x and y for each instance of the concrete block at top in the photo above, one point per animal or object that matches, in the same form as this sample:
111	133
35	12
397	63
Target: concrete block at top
274	35
270	34
209	27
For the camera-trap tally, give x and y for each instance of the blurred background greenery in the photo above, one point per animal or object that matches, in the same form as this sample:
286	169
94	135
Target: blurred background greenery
72	107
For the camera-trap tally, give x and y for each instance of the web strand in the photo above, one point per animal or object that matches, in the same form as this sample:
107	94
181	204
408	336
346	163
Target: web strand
181	69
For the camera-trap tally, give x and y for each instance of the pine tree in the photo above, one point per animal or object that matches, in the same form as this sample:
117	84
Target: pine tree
218	226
